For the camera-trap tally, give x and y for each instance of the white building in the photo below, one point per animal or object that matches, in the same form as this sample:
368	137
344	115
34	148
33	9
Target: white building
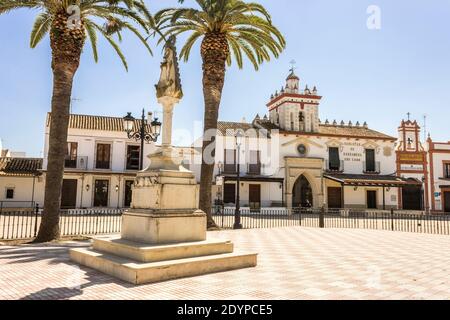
21	182
287	158
291	158
439	163
101	162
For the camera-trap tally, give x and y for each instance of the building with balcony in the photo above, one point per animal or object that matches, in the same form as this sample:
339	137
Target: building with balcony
286	158
101	162
289	157
439	164
100	166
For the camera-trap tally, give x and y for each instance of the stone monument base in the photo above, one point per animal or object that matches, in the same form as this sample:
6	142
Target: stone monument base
163	235
163	227
140	263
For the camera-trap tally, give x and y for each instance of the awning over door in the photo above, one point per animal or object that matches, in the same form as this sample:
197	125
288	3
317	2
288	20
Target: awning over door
367	180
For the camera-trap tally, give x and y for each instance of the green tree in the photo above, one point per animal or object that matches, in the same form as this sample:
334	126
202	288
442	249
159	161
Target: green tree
227	29
69	23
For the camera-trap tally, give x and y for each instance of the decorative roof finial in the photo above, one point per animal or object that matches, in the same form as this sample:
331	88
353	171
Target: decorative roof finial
307	91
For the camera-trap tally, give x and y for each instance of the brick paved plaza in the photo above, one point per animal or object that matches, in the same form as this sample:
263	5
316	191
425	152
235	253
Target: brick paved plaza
293	263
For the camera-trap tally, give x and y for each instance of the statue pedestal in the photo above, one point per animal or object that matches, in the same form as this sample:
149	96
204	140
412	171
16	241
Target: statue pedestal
164	208
163	234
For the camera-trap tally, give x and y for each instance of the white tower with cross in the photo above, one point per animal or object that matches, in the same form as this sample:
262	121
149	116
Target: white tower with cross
409	136
293	108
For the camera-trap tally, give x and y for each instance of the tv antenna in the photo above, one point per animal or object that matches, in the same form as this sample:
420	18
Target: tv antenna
71	103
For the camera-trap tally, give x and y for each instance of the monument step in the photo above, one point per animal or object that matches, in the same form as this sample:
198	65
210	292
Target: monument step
140	273
153	253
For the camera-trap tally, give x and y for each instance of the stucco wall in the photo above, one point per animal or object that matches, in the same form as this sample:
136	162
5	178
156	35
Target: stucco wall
23	189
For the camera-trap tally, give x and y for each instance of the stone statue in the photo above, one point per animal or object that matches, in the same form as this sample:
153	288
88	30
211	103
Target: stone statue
169	84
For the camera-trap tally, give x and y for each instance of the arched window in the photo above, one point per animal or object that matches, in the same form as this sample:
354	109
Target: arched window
292	121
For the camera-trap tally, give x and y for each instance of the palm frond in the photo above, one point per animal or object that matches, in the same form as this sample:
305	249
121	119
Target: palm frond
247	26
92	35
40	28
112	43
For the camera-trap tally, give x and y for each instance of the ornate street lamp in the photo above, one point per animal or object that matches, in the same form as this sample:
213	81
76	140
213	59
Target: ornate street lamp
144	133
237	212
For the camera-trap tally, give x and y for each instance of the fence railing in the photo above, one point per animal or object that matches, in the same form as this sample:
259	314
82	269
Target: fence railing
20	224
334	218
24	224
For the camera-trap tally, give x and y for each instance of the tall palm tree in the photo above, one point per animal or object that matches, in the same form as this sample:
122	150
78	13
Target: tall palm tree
227	29
69	23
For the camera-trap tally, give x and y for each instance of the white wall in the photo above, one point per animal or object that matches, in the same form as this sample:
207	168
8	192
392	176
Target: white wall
87	141
357	198
23	189
438	173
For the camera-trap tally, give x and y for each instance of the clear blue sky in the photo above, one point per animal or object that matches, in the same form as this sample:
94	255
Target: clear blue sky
367	75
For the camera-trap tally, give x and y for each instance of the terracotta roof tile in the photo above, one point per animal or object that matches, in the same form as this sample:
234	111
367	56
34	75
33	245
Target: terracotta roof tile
352	131
324	130
21	166
101	123
224	126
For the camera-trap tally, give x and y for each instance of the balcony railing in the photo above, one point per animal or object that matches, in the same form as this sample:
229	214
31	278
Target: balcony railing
332	166
79	163
371	167
102	165
229	168
254	169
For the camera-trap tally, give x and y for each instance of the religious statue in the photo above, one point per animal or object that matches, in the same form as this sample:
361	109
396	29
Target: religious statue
169	84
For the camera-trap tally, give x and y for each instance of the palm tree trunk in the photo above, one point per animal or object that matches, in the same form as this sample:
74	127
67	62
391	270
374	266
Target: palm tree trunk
66	51
62	91
214	52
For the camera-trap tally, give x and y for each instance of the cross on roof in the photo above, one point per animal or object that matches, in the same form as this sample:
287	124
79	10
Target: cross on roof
293	63
409	115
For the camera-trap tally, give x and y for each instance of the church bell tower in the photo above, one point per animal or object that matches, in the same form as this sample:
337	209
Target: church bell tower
292	109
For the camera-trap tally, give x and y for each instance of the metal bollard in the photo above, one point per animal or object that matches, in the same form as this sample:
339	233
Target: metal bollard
36	213
322	218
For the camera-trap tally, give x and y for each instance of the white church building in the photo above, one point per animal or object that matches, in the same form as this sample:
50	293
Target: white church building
290	158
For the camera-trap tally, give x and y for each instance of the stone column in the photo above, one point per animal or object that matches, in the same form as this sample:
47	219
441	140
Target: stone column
168	103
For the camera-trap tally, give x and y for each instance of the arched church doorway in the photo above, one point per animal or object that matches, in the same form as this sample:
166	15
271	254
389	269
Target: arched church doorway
302	195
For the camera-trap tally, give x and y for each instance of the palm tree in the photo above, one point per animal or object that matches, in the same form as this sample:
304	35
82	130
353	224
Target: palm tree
69	23
225	28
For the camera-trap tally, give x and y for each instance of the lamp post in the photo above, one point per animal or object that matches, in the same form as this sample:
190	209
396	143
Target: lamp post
144	133
422	191
237	213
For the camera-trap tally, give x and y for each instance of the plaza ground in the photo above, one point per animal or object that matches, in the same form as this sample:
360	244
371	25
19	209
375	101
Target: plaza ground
293	263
